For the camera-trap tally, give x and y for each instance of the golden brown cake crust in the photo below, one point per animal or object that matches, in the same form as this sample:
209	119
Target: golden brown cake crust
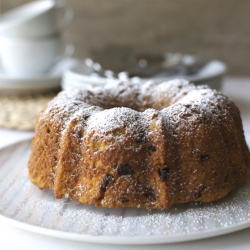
148	145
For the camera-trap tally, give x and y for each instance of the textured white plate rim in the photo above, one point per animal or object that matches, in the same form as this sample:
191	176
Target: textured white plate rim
125	240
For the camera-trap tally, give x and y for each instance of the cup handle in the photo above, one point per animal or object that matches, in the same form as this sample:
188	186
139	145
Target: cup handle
68	13
69	48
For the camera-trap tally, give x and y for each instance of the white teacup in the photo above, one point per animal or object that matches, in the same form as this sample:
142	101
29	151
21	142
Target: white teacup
35	19
23	57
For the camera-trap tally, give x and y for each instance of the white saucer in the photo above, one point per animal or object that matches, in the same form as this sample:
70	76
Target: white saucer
36	83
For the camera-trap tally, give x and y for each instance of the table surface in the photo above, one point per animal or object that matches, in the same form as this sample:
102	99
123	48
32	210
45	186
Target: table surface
238	89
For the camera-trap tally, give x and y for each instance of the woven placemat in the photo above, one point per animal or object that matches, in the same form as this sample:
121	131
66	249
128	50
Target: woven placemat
20	112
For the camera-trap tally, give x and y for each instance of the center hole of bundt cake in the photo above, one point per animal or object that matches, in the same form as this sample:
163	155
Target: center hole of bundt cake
110	104
128	99
132	104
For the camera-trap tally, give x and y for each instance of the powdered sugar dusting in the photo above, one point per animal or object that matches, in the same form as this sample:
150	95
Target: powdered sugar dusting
143	145
115	118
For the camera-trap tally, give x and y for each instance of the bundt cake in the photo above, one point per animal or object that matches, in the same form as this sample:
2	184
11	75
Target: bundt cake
140	145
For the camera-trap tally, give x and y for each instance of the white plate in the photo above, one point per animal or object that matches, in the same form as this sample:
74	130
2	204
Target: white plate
36	83
79	76
25	206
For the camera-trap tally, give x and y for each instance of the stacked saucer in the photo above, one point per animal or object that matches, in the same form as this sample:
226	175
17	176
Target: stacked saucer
31	44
